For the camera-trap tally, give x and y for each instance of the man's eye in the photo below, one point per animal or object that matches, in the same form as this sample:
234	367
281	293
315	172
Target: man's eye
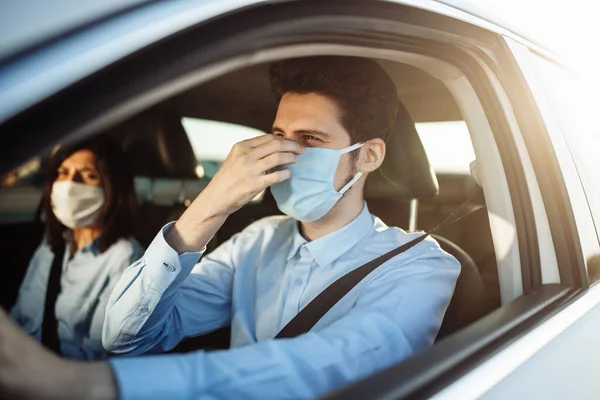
62	172
278	134
312	138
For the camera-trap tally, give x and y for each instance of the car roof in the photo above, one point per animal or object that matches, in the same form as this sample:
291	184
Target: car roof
502	17
35	64
26	24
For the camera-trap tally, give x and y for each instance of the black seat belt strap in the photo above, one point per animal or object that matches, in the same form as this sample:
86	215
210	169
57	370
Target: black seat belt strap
50	324
314	311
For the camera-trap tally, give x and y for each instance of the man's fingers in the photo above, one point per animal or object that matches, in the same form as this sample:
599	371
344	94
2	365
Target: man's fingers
277	159
276	146
275	177
259	140
263	146
248	145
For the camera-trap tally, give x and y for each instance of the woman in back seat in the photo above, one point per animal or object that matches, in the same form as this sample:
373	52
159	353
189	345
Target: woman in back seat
88	201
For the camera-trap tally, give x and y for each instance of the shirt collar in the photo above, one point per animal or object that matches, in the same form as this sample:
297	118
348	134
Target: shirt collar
93	246
329	248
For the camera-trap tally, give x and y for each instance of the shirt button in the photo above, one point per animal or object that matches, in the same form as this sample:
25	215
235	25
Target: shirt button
145	310
169	267
298	282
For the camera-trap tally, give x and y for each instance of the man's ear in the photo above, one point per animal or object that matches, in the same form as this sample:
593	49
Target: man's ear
372	155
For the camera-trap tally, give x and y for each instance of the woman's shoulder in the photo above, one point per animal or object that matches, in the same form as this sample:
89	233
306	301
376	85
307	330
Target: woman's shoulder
43	253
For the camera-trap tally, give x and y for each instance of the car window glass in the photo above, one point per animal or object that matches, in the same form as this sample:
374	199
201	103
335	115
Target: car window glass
572	100
20	192
212	141
26	174
438	137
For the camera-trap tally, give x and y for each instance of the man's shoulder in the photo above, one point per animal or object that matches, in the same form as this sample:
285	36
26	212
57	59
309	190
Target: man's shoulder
424	258
393	237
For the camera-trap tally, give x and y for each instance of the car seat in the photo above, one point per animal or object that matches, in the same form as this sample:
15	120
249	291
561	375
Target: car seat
158	151
406	175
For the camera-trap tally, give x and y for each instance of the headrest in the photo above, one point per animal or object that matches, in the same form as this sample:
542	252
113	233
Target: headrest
475	172
157	146
405	172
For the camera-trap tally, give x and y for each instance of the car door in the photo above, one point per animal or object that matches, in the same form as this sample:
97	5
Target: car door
552	357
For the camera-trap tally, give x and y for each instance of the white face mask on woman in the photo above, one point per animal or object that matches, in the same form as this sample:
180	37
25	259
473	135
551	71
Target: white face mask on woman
76	204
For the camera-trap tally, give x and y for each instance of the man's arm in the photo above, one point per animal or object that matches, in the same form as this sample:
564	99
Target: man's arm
157	302
396	315
28	371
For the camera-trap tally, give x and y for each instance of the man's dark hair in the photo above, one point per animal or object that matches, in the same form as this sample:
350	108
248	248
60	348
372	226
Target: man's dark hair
116	218
363	91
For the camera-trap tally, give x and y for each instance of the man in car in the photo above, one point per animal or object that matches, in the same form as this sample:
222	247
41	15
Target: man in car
329	133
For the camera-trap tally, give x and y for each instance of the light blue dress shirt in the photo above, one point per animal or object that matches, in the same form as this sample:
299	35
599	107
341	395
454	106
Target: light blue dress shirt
258	281
87	279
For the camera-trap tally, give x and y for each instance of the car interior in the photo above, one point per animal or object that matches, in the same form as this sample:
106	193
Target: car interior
405	192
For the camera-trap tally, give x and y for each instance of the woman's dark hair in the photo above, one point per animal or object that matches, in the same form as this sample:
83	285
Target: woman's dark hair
116	219
363	91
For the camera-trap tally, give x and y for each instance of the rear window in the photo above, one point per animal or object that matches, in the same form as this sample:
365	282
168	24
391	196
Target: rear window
213	140
27	174
448	146
447	143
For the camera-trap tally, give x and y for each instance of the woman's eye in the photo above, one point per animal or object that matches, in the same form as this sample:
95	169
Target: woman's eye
62	172
90	176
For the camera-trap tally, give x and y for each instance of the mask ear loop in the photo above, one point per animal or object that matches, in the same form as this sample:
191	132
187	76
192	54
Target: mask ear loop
352	182
358	174
352	148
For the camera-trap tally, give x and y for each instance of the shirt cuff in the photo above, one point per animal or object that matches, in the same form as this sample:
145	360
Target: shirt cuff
165	264
157	377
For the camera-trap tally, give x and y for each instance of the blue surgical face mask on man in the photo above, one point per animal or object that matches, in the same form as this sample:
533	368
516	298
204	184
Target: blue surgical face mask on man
308	194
